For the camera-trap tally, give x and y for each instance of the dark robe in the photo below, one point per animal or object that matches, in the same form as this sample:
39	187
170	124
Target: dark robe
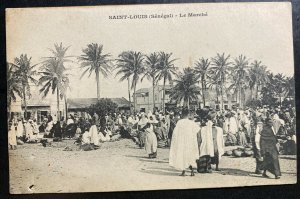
269	151
56	129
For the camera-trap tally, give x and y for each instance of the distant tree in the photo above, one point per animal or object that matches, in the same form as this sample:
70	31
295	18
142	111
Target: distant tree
220	70
240	77
130	64
26	74
166	71
14	86
53	74
151	68
185	88
102	107
202	69
94	60
258	76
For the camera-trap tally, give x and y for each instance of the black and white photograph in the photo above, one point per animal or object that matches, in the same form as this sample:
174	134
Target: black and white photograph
150	97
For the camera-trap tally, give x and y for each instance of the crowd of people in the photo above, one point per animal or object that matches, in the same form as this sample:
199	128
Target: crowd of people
196	138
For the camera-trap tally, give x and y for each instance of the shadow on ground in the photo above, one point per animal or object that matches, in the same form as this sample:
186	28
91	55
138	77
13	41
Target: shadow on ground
161	171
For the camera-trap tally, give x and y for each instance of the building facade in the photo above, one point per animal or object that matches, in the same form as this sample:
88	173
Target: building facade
144	99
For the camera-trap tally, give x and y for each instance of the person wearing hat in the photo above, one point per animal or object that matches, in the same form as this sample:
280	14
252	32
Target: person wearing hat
184	146
150	139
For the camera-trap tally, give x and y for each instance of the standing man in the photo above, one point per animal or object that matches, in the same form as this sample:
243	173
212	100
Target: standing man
184	147
267	142
211	144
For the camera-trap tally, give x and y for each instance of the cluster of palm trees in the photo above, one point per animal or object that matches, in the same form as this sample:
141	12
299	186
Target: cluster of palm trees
232	77
220	73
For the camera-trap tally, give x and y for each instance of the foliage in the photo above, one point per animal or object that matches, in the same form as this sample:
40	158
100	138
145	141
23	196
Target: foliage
102	107
93	60
14	86
130	64
53	75
185	88
166	70
254	103
201	69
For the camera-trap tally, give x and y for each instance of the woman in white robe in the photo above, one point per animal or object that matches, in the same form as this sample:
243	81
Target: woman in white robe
12	138
184	146
94	135
150	141
20	129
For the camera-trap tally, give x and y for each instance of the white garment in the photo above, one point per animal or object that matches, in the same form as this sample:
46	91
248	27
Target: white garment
86	138
29	130
230	125
220	141
150	141
70	121
184	149
207	145
20	129
94	135
12	139
130	120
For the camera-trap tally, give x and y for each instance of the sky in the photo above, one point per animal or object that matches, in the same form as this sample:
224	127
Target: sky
260	31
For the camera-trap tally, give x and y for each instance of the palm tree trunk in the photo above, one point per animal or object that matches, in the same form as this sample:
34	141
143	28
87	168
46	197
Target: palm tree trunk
66	107
153	94
57	97
129	94
256	92
164	95
25	102
188	103
134	100
203	97
221	95
98	85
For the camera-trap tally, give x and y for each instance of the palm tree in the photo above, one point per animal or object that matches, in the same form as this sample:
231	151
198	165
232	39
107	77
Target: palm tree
290	86
151	65
185	88
214	84
258	76
165	71
201	69
93	60
220	70
63	92
130	64
240	76
26	74
14	86
281	86
53	73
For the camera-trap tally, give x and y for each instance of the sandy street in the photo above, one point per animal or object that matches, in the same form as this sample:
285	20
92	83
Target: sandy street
122	166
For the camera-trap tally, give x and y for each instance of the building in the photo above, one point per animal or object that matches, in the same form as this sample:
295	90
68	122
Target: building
144	99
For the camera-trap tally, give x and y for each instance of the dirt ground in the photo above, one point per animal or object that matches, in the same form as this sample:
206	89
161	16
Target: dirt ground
123	166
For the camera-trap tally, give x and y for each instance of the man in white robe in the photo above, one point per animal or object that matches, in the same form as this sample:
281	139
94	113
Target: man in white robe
211	146
184	146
